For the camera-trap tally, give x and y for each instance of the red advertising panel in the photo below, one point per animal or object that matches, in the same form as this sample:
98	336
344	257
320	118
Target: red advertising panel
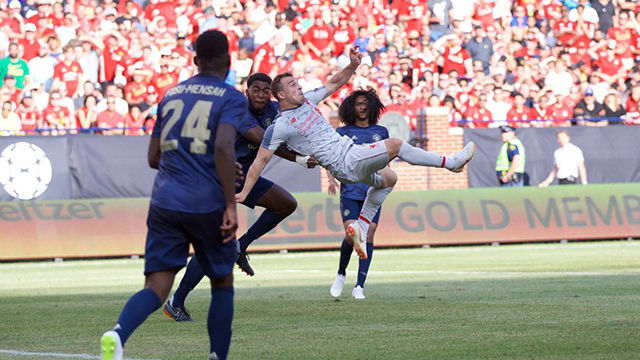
117	227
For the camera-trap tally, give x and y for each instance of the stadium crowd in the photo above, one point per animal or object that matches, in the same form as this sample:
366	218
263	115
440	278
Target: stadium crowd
104	65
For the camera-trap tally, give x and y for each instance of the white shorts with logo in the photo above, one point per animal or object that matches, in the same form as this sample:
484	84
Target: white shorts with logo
362	163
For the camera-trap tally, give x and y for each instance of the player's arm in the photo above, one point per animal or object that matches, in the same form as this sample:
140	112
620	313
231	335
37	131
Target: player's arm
225	157
261	161
255	135
338	80
333	184
154	152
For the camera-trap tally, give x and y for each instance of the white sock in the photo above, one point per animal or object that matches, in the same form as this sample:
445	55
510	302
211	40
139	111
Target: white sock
375	198
417	156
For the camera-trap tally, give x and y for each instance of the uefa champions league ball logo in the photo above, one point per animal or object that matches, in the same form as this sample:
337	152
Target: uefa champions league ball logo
25	170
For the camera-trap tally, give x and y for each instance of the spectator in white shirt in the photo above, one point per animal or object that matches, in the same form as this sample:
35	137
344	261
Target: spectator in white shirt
568	163
41	67
559	79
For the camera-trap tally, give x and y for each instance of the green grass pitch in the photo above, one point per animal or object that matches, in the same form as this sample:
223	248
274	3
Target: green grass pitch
542	301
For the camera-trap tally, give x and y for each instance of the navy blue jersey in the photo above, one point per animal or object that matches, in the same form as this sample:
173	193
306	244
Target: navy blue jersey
246	151
188	118
360	135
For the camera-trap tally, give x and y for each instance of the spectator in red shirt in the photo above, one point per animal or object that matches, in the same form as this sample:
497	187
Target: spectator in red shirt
56	116
559	113
478	115
68	71
609	65
483	13
14	93
112	56
30	43
541	112
519	115
110	118
318	37
134	121
633	106
343	34
87	115
30	117
454	57
264	57
166	79
135	91
624	37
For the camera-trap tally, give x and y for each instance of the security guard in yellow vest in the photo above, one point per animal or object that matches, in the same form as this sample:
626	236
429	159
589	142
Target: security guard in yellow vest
511	159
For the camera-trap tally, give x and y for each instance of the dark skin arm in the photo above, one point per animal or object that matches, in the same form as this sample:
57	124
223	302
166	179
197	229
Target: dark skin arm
225	157
255	135
153	155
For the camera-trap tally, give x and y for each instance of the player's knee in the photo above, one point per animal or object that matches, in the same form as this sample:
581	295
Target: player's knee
225	281
389	178
160	282
289	206
393	146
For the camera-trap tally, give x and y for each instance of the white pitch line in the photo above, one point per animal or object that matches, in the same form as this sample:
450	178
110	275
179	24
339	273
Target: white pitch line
381	272
449	249
454	272
56	355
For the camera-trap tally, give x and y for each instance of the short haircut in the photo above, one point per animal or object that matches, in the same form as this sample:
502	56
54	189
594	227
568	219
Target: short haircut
258	77
276	85
562	132
212	45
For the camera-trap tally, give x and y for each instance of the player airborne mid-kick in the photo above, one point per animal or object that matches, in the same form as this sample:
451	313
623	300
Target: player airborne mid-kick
302	127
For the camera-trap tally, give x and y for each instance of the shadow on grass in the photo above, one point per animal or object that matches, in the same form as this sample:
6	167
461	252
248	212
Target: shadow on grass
581	317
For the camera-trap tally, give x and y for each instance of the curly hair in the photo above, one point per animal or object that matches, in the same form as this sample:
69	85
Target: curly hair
347	110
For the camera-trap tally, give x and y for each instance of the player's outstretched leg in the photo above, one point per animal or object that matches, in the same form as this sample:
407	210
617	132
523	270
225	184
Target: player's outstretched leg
278	204
220	317
174	308
417	156
135	312
345	255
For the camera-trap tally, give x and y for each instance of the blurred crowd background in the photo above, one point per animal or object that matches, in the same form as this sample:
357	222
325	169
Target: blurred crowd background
103	66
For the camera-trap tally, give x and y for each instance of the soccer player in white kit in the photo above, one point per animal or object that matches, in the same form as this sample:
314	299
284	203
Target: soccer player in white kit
301	126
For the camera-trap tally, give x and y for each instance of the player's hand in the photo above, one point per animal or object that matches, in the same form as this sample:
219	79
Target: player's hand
333	188
239	174
355	55
241	196
505	179
543	184
229	224
312	162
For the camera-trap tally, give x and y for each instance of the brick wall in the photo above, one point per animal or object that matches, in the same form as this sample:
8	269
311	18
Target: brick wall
441	139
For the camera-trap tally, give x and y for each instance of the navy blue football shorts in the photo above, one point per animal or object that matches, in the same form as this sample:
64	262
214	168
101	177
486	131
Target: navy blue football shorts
170	233
261	186
350	210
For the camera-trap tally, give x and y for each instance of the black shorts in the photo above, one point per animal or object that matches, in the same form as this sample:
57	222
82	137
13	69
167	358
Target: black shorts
170	233
260	188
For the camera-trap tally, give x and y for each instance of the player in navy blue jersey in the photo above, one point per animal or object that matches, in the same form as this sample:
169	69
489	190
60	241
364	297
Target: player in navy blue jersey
359	112
192	202
278	202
